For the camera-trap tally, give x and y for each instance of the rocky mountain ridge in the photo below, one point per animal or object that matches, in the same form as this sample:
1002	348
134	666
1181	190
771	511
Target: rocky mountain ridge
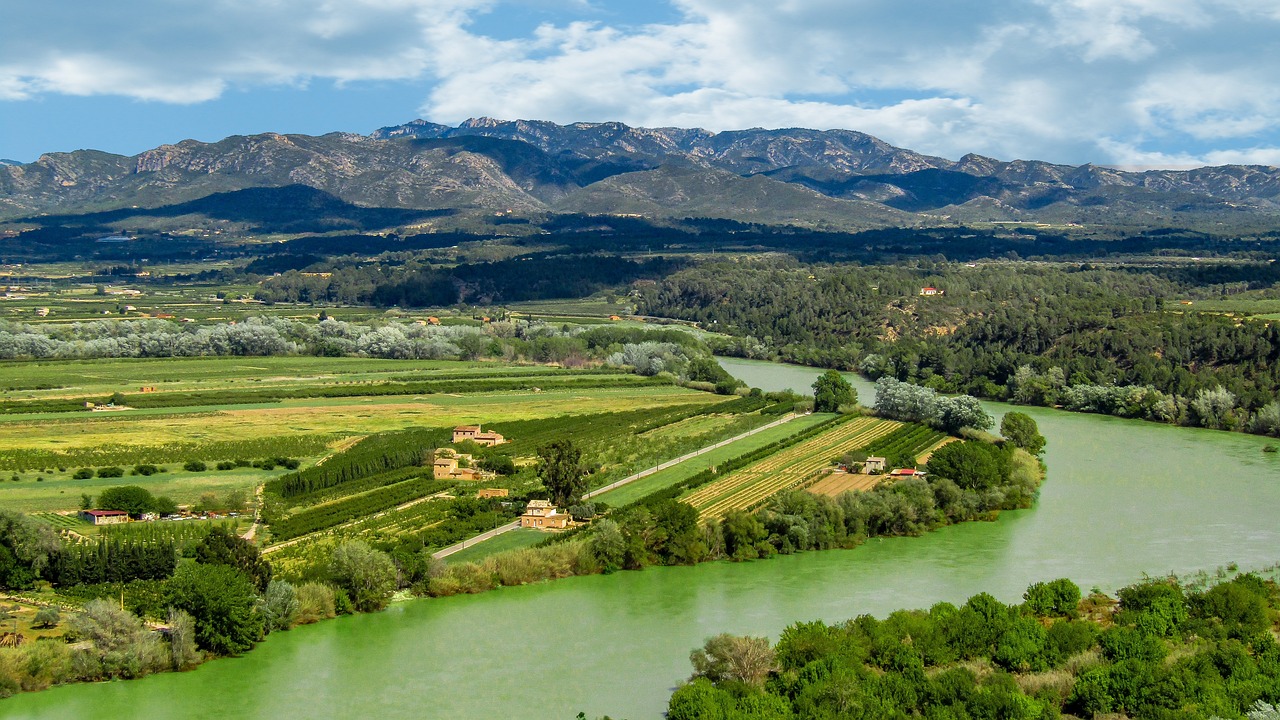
782	176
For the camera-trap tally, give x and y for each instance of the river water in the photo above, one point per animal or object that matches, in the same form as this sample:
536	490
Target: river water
1122	498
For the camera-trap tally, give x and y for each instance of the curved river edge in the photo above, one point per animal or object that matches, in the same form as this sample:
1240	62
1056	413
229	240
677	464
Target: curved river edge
1122	498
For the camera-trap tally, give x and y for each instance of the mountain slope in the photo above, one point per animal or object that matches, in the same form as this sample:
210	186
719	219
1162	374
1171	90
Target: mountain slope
527	168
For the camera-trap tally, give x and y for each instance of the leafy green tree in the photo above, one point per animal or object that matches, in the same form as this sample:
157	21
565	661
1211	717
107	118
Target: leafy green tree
132	499
970	464
222	547
164	505
86	501
224	604
742	531
607	545
560	467
1021	430
831	390
27	547
1058	598
368	576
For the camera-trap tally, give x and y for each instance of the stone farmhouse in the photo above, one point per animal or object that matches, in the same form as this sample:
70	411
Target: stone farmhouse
541	514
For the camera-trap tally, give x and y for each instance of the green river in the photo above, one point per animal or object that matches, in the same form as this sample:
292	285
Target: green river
1122	498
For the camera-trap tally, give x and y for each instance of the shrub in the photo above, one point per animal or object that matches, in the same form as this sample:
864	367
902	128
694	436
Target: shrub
145	469
110	472
82	474
226	465
315	603
195	466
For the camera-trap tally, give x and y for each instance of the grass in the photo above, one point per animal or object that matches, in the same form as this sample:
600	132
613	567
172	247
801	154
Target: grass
670	476
59	491
513	540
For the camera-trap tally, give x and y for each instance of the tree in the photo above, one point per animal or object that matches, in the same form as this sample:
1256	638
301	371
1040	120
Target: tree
280	606
961	411
224	604
831	390
183	653
747	660
27	547
367	575
122	644
132	499
47	617
607	545
222	547
970	464
86	501
1058	598
742	532
1021	430
560	467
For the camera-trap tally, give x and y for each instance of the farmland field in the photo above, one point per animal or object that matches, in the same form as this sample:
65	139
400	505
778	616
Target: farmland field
748	487
43	451
59	491
513	540
842	482
670	476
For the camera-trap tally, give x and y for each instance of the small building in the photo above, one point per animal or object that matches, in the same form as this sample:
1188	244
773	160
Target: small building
873	465
462	433
433	321
448	466
543	515
930	291
615	318
42	312
104	517
493	493
148	388
906	473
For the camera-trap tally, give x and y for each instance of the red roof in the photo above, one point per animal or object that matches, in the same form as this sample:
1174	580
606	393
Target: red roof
105	513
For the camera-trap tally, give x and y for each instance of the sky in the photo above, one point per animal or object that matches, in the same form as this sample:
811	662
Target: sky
1130	83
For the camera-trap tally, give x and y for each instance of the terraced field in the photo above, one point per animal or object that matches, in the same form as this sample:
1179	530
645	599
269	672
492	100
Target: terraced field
750	486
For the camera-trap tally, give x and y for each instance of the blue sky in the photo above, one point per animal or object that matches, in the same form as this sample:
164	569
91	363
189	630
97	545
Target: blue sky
1150	83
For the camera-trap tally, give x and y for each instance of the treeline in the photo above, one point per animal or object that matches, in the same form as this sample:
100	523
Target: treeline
355	507
113	560
1030	334
1160	650
374	454
538	276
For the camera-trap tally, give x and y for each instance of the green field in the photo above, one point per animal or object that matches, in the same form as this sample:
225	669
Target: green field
513	540
44	450
59	491
670	476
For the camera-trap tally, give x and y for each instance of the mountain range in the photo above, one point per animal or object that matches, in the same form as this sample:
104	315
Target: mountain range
833	178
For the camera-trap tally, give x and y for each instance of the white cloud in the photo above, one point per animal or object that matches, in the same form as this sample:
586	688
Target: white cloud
186	51
1010	78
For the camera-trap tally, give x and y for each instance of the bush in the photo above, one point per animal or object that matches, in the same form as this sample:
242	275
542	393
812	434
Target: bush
226	465
145	470
195	466
315	603
368	576
82	474
110	472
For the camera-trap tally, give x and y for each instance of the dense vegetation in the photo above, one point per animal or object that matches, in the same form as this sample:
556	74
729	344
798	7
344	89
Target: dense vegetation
1160	650
1090	339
